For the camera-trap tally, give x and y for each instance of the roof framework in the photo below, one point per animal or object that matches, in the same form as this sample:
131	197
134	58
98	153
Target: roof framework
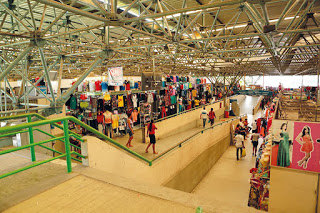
205	37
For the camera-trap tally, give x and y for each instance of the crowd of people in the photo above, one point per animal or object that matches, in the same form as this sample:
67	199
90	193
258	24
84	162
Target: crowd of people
258	129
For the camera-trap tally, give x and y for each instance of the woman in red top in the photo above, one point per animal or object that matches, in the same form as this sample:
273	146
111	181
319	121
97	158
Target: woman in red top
212	116
151	133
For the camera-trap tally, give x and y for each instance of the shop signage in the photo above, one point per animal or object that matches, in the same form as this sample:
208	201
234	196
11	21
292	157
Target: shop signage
115	76
254	92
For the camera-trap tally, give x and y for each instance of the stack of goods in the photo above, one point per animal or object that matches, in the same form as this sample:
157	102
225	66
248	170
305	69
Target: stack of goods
260	179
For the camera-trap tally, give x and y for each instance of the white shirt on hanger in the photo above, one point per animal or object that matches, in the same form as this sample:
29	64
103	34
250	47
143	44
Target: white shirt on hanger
92	86
135	100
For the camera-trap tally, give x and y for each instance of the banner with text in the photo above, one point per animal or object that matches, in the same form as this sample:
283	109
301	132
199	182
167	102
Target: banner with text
115	76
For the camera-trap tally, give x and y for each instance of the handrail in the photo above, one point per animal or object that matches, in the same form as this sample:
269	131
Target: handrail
192	109
25	115
65	119
199	132
185	111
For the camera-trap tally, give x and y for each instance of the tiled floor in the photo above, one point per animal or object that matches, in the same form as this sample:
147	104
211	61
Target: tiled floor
83	194
228	180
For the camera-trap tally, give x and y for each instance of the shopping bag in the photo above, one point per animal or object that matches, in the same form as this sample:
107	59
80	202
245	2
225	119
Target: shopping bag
243	152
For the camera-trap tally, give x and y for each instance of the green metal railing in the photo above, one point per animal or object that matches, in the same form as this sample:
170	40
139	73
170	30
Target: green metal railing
29	127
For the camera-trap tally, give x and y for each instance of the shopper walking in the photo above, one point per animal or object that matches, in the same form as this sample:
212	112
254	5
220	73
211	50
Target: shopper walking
203	116
239	143
151	134
254	140
212	116
254	126
130	131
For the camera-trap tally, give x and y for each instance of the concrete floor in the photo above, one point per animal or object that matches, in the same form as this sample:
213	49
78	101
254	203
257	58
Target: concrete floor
84	194
228	180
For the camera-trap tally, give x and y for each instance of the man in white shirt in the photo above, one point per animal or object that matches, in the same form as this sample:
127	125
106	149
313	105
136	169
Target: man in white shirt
241	123
203	116
254	126
239	143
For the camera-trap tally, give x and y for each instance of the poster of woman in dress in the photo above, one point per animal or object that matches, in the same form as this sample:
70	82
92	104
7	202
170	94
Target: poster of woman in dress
306	148
282	132
283	158
305	140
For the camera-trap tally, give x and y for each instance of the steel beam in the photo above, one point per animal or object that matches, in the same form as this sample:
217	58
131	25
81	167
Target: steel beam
80	12
65	96
16	61
182	10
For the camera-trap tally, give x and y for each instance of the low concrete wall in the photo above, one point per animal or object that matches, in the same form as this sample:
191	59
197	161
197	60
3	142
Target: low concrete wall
106	157
239	98
189	177
292	191
257	106
6	141
37	137
184	122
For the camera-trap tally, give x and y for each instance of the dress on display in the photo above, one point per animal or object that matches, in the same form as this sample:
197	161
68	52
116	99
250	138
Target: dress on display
283	152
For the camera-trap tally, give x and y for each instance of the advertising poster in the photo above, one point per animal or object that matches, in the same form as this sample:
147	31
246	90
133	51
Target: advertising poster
306	146
282	150
115	76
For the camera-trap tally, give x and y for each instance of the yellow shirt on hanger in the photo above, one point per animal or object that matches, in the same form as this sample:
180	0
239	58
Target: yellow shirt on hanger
194	93
120	101
115	121
107	97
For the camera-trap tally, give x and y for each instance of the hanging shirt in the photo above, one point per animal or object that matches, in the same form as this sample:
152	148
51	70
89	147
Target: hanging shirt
84	105
115	121
107	97
94	102
98	85
173	99
73	103
122	123
150	98
104	86
135	100
120	101
83	96
194	93
92	86
128	86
